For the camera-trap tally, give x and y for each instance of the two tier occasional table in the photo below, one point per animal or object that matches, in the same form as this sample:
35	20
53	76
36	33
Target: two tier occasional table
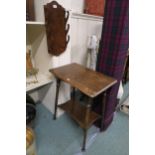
90	83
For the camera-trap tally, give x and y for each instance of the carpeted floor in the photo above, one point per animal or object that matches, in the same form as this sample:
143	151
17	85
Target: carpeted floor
64	136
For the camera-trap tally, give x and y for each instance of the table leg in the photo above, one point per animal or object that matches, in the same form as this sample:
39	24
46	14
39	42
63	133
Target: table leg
73	99
86	120
87	110
84	139
103	111
56	98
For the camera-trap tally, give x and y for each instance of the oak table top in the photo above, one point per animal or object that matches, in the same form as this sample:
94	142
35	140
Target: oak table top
90	82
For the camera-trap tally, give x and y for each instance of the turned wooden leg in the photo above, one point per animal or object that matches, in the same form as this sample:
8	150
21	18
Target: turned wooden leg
56	98
84	139
86	122
103	111
73	99
87	112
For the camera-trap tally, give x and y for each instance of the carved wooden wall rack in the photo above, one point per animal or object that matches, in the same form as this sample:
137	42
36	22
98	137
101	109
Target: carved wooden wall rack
56	18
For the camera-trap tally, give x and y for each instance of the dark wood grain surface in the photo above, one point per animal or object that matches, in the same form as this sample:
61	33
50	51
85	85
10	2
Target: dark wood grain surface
77	112
90	82
30	13
56	18
94	7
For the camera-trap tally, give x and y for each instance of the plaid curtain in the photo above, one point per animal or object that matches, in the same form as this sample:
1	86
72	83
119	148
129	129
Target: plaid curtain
112	53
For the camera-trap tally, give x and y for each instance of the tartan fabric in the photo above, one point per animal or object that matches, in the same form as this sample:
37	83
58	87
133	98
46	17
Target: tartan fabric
112	53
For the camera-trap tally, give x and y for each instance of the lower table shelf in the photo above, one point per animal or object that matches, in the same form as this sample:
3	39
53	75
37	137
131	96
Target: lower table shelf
77	112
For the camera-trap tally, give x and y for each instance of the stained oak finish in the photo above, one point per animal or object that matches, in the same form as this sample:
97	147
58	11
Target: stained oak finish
56	27
94	7
30	15
89	82
77	112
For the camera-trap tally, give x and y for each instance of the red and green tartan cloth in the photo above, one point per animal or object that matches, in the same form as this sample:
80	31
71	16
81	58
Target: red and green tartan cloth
112	53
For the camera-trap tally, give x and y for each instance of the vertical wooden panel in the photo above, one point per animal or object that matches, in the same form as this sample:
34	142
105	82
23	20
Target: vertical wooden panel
30	16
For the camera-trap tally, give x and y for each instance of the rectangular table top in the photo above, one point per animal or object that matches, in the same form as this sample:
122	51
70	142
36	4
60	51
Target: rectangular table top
90	82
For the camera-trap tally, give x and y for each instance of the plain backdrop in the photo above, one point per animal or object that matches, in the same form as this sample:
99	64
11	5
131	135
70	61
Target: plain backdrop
13	77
